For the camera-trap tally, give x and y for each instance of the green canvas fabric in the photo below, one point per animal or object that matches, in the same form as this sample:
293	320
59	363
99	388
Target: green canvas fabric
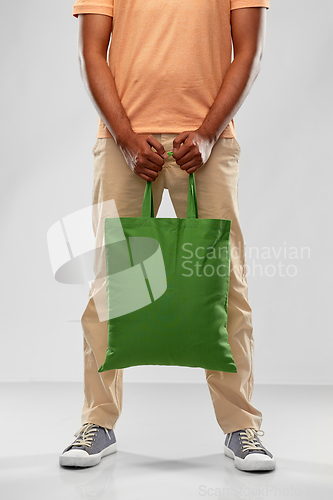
167	289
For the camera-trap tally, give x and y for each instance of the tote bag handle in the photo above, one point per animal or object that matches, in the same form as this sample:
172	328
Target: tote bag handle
192	205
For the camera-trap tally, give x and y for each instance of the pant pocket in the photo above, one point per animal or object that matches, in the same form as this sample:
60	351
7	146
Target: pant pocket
237	146
95	146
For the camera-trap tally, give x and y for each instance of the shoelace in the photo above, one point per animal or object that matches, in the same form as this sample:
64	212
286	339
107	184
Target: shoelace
89	431
248	440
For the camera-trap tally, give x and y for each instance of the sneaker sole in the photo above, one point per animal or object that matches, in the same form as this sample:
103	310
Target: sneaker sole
69	459
242	464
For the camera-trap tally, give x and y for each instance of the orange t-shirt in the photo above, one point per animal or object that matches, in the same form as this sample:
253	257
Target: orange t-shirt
168	59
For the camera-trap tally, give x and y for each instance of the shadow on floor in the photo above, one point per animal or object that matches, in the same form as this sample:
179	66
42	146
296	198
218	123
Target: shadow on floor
126	475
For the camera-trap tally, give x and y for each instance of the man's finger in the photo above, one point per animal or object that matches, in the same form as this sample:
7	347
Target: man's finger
145	177
148	163
152	174
179	139
185	158
183	150
152	141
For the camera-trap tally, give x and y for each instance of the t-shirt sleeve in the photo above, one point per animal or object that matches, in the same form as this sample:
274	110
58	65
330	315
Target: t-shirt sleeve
93	7
240	4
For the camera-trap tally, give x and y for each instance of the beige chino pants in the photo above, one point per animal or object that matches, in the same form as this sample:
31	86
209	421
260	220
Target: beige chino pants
217	196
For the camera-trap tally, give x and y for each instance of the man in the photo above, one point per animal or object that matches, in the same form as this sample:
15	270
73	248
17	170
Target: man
168	84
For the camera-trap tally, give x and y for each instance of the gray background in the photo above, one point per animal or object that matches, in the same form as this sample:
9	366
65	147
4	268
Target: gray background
48	128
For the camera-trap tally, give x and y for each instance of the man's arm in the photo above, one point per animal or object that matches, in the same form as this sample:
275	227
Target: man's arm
94	37
248	26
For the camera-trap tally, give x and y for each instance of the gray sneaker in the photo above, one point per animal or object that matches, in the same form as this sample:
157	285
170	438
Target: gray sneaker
91	444
245	447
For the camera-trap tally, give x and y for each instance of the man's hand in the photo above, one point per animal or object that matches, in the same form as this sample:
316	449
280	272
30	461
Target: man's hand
194	152
139	156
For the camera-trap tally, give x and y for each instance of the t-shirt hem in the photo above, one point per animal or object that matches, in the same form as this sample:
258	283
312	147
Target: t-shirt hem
241	4
92	9
103	133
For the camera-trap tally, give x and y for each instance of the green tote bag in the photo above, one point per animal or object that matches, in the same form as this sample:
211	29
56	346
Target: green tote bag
167	289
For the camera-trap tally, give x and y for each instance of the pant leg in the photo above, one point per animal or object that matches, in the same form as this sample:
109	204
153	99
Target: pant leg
112	180
217	196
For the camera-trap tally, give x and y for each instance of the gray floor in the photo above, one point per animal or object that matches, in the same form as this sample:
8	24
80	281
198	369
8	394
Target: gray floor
169	445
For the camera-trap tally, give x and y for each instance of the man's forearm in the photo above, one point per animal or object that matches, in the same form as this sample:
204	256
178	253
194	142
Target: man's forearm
235	87
101	87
